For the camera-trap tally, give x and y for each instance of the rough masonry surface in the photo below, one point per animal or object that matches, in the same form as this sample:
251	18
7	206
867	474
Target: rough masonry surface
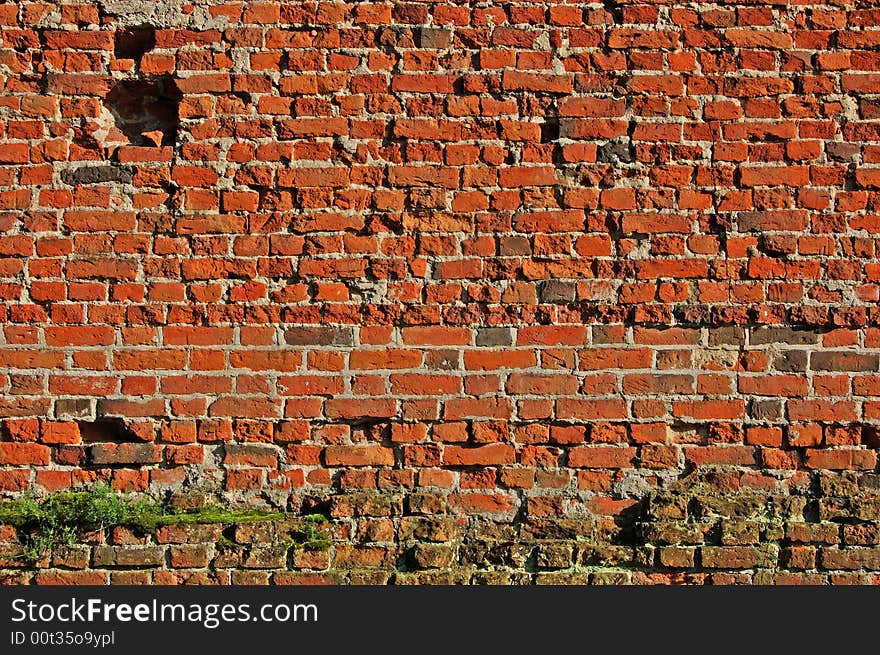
514	292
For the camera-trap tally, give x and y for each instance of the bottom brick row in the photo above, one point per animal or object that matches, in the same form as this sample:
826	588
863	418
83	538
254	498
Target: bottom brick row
711	527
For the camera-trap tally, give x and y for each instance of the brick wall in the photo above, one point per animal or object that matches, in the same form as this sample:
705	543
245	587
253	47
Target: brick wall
512	291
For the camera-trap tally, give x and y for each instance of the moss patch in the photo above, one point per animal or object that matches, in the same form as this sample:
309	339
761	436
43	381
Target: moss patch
60	518
310	536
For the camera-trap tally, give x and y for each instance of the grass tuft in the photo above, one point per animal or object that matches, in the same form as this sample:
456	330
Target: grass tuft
61	517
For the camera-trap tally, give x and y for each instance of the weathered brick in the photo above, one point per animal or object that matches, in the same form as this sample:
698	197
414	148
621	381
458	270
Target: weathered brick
738	557
791	337
494	337
319	336
128	556
839	360
850	558
125	453
358	456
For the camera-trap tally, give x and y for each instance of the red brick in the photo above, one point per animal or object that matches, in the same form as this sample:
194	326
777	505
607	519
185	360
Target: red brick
601	457
358	456
490	455
24	454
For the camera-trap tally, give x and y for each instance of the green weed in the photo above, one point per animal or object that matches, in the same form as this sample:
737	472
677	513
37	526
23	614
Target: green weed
60	518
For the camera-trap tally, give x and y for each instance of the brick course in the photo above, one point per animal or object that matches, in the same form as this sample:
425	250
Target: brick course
485	282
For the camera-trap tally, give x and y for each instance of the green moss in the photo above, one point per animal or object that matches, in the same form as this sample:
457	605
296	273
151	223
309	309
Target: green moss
227	543
310	536
61	517
208	514
58	519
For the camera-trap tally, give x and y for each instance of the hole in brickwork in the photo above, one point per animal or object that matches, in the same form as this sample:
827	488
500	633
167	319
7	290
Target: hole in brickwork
106	430
244	97
871	436
145	111
133	42
315	505
550	131
615	10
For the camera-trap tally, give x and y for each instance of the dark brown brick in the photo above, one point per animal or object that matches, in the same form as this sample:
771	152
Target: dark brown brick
842	360
319	336
125	453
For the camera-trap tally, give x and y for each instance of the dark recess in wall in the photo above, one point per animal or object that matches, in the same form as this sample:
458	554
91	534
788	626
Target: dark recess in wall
134	42
107	430
146	105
